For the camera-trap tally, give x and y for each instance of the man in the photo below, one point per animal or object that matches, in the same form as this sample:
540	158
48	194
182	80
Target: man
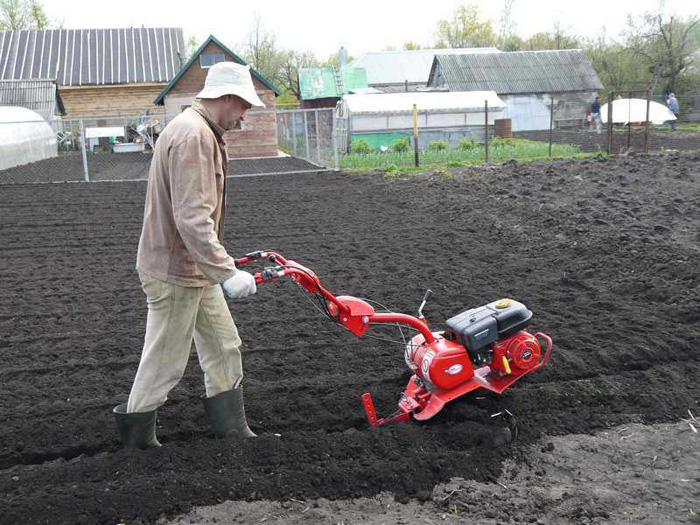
595	115
672	104
183	265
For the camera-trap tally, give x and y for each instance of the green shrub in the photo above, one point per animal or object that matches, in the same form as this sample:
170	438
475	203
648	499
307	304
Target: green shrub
401	146
467	145
437	145
498	142
360	147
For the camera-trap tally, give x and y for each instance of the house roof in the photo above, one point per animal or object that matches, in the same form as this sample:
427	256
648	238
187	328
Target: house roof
160	99
516	72
41	96
395	67
92	57
325	82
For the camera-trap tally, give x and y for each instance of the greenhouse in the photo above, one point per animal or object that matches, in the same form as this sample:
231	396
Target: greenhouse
381	120
24	137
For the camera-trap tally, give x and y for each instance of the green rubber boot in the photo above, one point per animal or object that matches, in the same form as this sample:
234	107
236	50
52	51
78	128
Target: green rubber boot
227	414
136	430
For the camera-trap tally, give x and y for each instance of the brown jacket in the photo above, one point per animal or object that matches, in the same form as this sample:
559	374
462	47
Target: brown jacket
183	221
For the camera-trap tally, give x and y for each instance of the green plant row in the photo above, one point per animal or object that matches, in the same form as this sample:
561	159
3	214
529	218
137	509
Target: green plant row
467	152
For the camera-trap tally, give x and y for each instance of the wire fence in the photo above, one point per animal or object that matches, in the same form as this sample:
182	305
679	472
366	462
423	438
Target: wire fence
309	134
544	127
120	148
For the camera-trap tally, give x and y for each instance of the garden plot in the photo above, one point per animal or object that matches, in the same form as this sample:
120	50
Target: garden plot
604	252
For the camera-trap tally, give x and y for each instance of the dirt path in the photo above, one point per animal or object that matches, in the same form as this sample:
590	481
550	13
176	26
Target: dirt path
605	253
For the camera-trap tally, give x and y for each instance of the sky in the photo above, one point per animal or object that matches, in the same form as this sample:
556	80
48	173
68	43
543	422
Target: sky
322	26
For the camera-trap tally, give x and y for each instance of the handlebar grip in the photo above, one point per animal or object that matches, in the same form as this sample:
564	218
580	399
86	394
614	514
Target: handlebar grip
428	295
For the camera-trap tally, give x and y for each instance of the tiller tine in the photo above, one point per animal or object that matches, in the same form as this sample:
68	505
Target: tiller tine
403	413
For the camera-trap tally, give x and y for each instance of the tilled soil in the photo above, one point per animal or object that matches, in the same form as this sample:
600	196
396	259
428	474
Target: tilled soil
605	252
633	473
623	139
131	166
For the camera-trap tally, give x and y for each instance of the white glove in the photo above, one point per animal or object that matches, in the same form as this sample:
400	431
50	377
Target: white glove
242	284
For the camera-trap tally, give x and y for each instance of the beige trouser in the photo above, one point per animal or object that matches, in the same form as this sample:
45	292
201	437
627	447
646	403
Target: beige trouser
176	315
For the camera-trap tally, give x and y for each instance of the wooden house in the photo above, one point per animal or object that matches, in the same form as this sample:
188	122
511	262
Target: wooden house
100	72
257	136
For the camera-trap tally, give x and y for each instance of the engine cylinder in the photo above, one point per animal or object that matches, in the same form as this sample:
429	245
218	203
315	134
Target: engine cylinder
443	363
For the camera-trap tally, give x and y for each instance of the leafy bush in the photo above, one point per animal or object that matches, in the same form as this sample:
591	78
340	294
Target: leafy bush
437	145
360	147
467	145
401	146
499	142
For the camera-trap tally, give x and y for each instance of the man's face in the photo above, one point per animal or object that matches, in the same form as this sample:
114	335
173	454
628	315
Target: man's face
234	110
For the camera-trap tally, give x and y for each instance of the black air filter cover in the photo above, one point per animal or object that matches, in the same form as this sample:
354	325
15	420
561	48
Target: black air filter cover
480	327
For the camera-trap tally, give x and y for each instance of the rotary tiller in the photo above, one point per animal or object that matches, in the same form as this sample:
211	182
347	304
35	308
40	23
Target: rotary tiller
486	347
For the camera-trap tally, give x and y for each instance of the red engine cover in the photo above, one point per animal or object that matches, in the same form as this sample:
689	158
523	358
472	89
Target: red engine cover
443	363
522	350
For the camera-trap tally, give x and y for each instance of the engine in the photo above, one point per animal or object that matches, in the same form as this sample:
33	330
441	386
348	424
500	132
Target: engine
490	335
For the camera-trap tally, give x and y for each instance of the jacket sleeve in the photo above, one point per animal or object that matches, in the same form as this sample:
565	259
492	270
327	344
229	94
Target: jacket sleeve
194	199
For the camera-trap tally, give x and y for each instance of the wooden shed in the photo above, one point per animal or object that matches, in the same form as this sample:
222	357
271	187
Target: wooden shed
100	72
527	81
257	136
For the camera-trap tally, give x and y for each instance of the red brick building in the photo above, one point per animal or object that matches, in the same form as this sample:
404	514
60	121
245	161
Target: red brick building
258	134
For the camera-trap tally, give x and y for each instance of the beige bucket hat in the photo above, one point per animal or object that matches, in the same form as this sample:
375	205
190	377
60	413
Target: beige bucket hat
230	78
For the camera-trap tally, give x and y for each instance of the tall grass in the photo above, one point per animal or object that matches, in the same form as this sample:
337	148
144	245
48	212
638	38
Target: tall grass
512	149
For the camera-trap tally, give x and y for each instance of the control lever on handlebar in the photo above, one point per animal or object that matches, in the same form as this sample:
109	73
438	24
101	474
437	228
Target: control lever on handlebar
427	296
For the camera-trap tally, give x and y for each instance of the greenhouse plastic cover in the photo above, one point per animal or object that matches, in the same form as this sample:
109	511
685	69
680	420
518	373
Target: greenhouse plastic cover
24	137
435	101
635	110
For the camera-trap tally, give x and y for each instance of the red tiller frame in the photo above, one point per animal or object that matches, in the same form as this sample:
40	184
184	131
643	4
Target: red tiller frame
353	313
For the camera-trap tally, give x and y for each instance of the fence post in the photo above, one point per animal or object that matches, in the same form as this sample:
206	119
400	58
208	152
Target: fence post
416	154
86	173
294	132
318	138
306	135
611	97
334	134
629	121
551	124
486	130
646	124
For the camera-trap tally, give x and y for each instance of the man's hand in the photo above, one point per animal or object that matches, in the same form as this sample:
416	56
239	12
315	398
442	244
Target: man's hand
242	284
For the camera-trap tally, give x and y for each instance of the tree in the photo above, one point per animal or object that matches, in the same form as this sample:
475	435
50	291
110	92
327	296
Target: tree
23	14
291	63
334	60
616	64
37	16
508	40
465	29
192	46
260	50
411	46
551	40
666	44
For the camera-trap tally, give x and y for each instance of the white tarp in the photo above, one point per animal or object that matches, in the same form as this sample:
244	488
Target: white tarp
626	110
458	101
24	137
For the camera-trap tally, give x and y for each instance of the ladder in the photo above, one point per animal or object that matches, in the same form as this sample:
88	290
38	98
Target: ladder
338	77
